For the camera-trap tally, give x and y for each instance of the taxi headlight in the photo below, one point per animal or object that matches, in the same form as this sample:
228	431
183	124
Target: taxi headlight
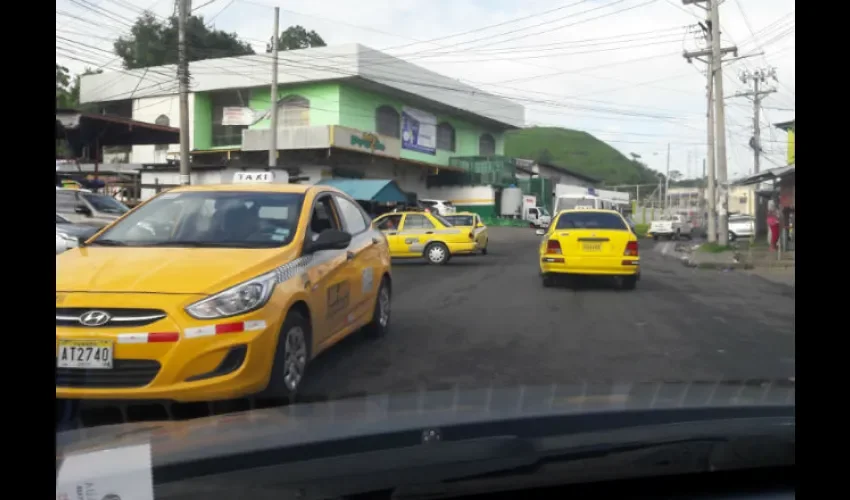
244	297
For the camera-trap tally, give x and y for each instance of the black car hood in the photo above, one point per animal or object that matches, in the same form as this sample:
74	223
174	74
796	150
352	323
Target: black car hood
342	419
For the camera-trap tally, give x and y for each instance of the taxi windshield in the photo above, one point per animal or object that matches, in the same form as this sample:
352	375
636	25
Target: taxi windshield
223	219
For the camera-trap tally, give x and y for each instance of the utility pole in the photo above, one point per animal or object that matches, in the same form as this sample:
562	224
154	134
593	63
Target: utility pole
756	77
716	118
273	134
667	182
183	7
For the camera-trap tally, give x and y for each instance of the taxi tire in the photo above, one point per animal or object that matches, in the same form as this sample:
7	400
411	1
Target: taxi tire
628	282
548	280
445	252
484	251
277	389
374	328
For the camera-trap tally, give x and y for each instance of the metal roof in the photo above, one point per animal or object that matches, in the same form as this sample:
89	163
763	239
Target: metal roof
381	190
764	176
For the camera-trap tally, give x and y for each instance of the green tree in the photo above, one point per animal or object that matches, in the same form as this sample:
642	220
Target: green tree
297	37
63	80
153	42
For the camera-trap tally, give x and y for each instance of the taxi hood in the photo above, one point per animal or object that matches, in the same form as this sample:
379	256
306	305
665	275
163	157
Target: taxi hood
163	270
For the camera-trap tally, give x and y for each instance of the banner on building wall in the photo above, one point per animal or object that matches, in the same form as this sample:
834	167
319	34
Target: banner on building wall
367	142
238	116
418	131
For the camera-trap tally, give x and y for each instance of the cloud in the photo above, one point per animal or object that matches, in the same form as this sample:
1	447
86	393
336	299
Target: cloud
610	67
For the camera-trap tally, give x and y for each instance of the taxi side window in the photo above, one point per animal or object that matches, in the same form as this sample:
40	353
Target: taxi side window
352	216
323	217
415	221
389	223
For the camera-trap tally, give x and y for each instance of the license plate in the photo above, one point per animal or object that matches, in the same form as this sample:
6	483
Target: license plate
592	247
85	354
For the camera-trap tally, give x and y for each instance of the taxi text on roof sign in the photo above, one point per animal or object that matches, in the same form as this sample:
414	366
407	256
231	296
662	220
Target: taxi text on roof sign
253	177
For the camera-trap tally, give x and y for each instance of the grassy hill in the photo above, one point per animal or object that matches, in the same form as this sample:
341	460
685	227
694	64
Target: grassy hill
577	151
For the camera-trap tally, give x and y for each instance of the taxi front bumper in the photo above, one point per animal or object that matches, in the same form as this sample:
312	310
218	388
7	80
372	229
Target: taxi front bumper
175	358
464	248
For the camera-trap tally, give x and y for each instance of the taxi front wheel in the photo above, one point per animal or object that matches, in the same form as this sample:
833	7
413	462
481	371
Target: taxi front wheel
380	324
291	356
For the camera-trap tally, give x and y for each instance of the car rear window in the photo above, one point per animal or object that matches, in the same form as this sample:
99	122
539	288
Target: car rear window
591	220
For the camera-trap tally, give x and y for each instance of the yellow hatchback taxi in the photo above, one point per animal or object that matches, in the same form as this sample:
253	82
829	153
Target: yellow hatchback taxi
471	221
425	234
589	242
216	292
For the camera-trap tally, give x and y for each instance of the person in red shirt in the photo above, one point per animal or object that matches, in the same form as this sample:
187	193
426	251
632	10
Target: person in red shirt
773	225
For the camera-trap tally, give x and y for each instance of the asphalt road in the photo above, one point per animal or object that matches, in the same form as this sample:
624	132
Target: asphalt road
487	320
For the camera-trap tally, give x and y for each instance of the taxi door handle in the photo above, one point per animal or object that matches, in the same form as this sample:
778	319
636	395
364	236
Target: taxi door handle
374	241
349	255
429	232
392	233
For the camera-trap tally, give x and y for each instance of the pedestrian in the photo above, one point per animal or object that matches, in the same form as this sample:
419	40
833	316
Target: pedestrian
773	227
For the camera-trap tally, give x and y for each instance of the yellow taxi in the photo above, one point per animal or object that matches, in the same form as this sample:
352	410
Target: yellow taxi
216	292
589	242
472	221
421	233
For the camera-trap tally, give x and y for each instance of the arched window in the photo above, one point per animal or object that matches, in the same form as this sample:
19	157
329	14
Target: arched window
293	111
486	145
445	137
165	122
388	122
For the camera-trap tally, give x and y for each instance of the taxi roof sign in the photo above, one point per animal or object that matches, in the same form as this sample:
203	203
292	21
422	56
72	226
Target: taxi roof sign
253	177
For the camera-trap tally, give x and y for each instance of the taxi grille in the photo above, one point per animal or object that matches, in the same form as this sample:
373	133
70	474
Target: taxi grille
118	317
124	373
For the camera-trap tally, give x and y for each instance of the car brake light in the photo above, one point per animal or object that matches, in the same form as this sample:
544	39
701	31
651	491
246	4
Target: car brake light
631	248
553	247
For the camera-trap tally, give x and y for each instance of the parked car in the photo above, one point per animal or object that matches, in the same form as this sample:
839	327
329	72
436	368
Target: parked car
69	235
741	226
77	205
441	207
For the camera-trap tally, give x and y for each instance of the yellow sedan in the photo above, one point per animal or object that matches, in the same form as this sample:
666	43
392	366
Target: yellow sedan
589	242
471	221
217	292
418	234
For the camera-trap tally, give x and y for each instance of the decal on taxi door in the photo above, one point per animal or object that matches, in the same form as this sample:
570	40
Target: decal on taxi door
338	297
367	279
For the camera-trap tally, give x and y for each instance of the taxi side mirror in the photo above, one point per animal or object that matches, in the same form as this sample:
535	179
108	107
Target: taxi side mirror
330	239
540	232
479	225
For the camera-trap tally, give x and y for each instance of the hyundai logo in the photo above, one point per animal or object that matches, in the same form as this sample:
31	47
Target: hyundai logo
94	318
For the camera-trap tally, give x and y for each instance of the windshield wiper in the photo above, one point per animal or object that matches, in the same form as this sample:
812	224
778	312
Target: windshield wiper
203	244
108	243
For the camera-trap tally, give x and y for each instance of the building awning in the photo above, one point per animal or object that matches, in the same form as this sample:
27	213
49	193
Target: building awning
380	190
94	131
764	176
789	125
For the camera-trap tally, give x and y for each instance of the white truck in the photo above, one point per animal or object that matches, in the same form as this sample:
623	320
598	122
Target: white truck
537	216
671	227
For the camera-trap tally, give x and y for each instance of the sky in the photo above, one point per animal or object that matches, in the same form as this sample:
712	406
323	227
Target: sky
612	68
